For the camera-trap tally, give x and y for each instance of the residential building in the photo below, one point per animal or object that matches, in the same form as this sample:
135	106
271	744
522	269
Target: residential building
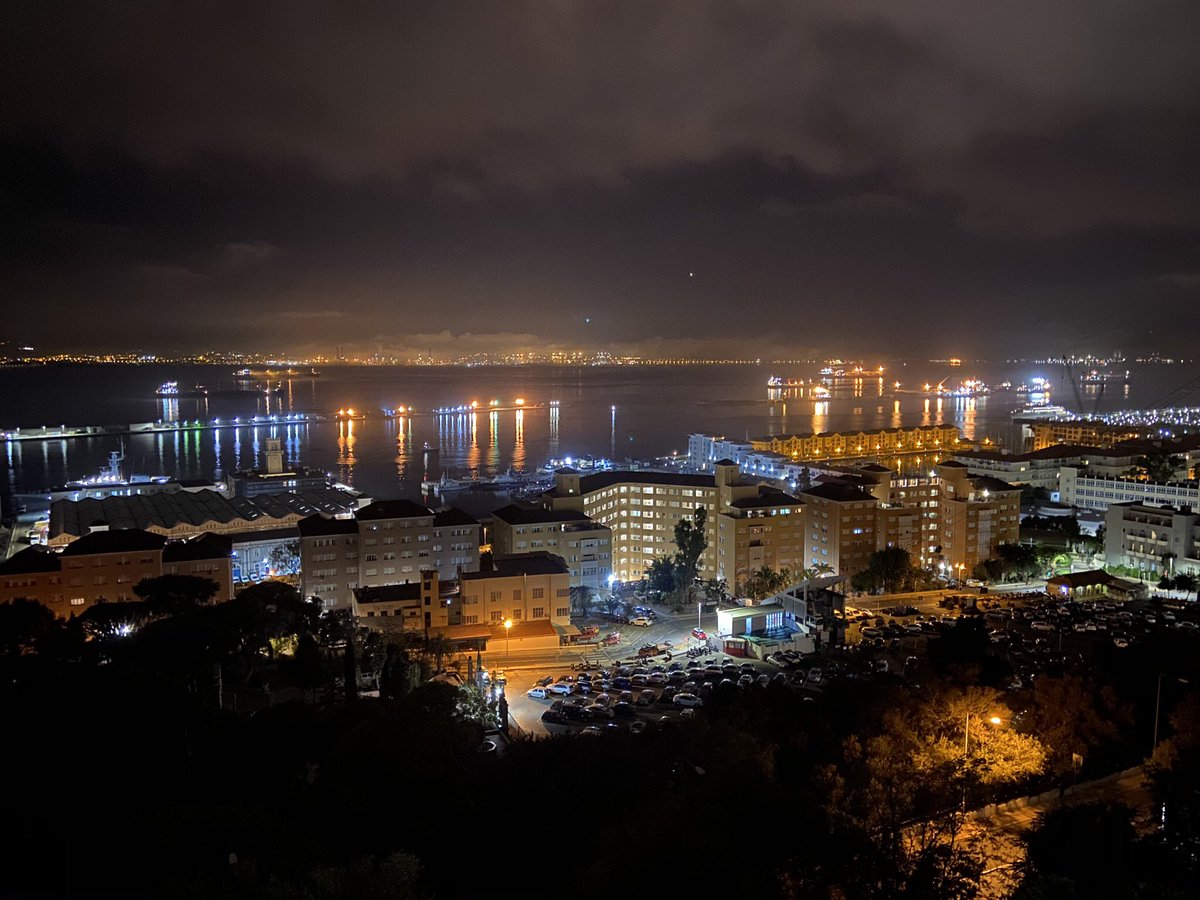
387	542
422	605
763	530
642	509
839	526
976	513
528	587
106	565
1152	539
584	544
1085	432
924	439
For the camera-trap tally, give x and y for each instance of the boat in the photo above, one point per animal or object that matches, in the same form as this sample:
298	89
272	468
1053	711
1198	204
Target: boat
348	414
1096	376
508	481
1041	411
170	390
290	372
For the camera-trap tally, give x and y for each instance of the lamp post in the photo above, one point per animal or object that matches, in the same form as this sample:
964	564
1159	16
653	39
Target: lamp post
1158	705
507	632
699	606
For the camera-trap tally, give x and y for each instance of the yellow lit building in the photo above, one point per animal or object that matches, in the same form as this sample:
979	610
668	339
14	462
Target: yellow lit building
935	439
764	530
977	514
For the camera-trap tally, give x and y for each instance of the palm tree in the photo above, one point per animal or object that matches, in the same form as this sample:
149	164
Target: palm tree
440	646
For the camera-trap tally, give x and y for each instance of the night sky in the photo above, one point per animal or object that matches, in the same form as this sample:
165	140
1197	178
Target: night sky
915	177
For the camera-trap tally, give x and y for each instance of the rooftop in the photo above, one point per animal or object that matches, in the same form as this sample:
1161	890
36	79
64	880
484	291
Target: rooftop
205	546
394	509
324	526
520	515
198	508
601	480
30	561
452	515
540	563
837	492
120	540
766	500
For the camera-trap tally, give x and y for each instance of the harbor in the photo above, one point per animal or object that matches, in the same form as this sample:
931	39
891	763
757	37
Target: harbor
69	432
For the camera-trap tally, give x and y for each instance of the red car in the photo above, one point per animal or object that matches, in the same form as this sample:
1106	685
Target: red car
699	634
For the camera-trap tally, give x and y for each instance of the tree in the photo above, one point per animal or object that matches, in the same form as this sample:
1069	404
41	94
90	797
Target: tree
1074	717
660	575
1160	467
765	582
889	568
307	666
1186	582
24	624
1079	852
172	594
691	540
581	600
474	705
438	647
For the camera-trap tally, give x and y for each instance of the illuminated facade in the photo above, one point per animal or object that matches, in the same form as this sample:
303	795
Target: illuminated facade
764	530
935	439
977	514
584	545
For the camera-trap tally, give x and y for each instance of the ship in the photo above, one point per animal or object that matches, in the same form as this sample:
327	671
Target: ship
1096	376
1040	411
508	481
170	390
290	372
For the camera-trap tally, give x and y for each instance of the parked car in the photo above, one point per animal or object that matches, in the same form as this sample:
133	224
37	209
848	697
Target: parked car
562	687
537	693
646	698
699	634
641	621
544	680
686	700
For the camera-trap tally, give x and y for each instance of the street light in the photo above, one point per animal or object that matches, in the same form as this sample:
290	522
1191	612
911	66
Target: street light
1158	704
507	632
699	606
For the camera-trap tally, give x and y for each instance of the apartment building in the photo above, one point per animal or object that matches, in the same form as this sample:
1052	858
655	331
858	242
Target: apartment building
932	439
1151	538
584	545
387	542
105	566
977	513
763	530
643	508
839	526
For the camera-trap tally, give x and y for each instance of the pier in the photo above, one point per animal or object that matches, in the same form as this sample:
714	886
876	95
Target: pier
69	432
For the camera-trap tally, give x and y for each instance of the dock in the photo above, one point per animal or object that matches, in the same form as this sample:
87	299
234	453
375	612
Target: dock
70	432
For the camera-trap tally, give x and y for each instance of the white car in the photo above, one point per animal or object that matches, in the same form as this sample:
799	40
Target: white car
686	700
562	687
537	693
642	621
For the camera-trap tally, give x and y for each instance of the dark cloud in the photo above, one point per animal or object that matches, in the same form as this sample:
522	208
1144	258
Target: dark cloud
843	171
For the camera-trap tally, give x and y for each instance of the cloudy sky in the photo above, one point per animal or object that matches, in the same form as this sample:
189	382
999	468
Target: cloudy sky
751	177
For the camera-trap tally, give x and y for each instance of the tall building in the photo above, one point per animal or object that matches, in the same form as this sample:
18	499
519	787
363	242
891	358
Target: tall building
839	525
977	514
766	530
584	545
643	508
388	542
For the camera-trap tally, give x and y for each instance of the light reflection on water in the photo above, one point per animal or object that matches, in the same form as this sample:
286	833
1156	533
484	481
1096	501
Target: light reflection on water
641	413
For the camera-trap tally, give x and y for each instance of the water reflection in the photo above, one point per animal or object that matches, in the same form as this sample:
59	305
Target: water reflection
518	456
346	460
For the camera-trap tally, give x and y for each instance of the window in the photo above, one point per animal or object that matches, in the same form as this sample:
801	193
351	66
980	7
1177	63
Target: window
539	593
517	597
497	616
562	612
539	612
516	615
494	597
